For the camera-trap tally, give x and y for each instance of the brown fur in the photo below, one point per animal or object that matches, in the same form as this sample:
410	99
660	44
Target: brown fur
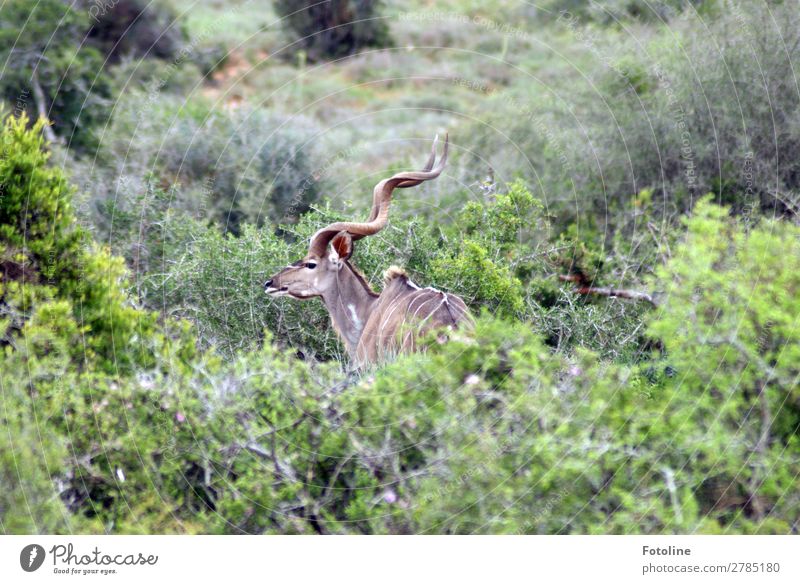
374	327
404	314
393	272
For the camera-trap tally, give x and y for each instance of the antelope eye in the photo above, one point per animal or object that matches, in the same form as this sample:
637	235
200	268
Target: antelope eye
311	265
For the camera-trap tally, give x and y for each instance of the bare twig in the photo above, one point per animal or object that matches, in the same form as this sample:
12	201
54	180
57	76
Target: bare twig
41	107
610	292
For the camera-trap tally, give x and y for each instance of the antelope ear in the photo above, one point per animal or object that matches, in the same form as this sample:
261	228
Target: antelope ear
341	247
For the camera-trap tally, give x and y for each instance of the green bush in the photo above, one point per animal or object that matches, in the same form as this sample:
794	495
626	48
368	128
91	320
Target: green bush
729	328
706	130
495	255
133	29
115	423
227	167
32	455
490	434
730	319
610	12
335	28
216	280
53	275
218	283
673	110
54	71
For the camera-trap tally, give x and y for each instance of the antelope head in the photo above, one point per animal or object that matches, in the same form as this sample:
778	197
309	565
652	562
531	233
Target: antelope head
326	272
332	246
315	274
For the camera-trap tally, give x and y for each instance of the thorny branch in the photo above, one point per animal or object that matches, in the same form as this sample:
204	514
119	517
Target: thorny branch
610	292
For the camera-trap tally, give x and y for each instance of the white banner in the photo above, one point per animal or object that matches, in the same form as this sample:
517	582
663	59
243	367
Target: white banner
355	559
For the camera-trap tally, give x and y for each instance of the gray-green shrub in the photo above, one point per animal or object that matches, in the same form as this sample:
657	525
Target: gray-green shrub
704	105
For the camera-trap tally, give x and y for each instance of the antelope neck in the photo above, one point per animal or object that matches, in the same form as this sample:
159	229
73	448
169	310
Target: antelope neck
349	302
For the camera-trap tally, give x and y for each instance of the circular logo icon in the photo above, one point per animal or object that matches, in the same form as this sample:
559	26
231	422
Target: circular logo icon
31	557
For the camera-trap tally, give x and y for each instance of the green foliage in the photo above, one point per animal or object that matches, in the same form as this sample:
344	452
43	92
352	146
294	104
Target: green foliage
511	218
730	320
707	136
671	109
501	262
133	29
39	244
36	216
52	281
216	280
335	28
610	12
484	434
493	251
44	41
226	167
218	283
31	455
471	271
559	413
490	432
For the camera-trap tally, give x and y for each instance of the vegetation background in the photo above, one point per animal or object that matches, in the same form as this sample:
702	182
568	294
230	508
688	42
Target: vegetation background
149	386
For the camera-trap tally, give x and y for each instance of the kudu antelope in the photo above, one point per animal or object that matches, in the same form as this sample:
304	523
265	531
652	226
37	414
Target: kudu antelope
373	326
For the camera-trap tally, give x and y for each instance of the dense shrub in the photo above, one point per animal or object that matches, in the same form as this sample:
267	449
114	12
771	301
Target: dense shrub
730	330
31	454
472	436
731	318
133	29
673	110
334	28
614	11
226	167
54	73
491	432
217	280
496	255
54	277
714	130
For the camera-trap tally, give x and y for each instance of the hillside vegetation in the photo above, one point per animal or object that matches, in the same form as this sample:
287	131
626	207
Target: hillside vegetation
600	152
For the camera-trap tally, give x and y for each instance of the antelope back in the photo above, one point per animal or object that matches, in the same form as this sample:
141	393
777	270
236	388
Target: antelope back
404	314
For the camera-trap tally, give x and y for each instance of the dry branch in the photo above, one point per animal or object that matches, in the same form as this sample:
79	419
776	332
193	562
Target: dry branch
610	292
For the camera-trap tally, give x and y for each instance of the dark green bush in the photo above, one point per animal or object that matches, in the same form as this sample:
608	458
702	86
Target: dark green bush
334	28
133	29
54	72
